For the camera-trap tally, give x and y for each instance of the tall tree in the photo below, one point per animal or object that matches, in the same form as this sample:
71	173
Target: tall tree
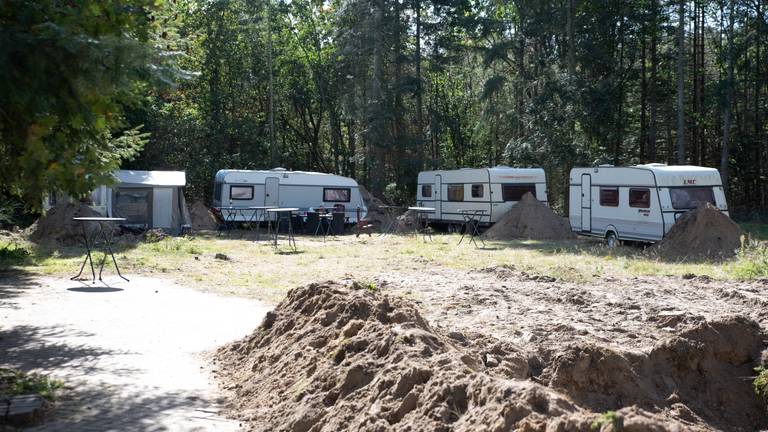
681	82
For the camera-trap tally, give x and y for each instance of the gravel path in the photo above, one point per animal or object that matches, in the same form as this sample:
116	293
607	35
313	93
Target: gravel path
132	356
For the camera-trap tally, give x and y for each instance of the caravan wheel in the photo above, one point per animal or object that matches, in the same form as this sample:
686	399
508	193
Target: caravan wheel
612	240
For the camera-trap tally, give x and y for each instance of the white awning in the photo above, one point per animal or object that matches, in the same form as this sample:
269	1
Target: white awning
151	178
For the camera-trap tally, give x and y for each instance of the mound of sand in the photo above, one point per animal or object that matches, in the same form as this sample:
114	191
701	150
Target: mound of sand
344	358
406	222
703	233
530	219
376	214
202	218
56	227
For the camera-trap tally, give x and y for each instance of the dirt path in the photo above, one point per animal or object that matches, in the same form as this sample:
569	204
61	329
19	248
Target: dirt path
132	356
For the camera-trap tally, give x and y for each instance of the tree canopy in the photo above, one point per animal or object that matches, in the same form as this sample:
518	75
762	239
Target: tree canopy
381	89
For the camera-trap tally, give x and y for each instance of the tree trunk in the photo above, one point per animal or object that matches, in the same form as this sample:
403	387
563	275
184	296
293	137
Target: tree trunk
274	157
419	89
643	98
376	123
680	83
652	93
728	100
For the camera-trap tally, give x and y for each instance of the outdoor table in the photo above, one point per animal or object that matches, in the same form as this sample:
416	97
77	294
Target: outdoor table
472	219
230	219
324	219
282	213
259	215
422	222
392	214
90	243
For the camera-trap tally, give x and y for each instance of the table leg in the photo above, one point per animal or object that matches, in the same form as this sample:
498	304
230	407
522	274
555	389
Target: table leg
291	237
88	257
464	231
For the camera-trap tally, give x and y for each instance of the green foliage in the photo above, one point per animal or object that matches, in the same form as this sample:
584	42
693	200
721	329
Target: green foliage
15	382
751	262
760	383
70	71
608	418
12	254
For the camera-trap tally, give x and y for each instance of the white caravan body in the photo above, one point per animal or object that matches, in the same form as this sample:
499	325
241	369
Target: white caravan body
282	188
494	190
146	199
639	202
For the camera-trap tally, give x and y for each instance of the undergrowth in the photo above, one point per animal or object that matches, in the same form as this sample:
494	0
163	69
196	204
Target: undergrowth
14	382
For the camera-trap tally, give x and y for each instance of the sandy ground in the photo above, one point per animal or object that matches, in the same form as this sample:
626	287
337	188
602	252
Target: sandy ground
132	355
538	312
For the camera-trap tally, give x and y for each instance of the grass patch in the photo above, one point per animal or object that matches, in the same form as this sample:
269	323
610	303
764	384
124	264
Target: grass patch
14	382
12	254
608	418
257	270
757	231
761	383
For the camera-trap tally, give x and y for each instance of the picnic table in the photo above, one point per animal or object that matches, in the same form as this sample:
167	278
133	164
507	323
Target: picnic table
472	218
282	214
422	221
259	215
90	242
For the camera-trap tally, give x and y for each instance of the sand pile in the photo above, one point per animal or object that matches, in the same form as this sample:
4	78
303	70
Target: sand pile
56	227
703	233
345	358
202	218
407	222
376	215
530	219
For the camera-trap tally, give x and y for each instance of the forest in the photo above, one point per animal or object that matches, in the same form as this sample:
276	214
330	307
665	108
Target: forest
379	89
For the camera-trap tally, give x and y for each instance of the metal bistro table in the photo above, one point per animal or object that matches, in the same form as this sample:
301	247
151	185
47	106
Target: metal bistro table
422	221
324	221
230	218
472	218
282	213
259	215
90	243
392	214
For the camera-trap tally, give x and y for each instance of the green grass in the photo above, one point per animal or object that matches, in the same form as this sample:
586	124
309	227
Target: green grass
757	231
255	269
761	383
608	418
14	382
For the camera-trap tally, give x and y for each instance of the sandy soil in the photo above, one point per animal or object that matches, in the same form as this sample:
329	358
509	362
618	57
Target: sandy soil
498	349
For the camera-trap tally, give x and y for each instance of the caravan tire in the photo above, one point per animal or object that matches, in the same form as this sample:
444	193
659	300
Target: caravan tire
612	240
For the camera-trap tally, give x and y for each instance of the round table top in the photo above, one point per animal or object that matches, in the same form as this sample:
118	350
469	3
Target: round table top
390	207
99	219
261	207
422	209
472	210
282	209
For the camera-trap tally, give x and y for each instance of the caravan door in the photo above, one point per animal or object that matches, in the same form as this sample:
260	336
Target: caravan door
272	191
438	197
586	203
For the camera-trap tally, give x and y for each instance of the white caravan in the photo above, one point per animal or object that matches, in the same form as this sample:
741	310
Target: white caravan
494	190
639	202
146	199
279	187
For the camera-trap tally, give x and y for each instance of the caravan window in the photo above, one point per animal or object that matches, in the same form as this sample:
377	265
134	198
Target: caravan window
242	193
477	191
515	192
336	194
456	192
691	197
640	198
426	191
609	197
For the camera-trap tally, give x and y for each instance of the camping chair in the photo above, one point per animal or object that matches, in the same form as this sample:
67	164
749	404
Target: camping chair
313	220
363	225
337	223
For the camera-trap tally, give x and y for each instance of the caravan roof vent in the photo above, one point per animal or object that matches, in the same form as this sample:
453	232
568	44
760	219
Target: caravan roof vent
605	165
278	169
656	164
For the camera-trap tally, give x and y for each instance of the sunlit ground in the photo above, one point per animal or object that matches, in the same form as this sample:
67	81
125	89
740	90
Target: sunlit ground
256	269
